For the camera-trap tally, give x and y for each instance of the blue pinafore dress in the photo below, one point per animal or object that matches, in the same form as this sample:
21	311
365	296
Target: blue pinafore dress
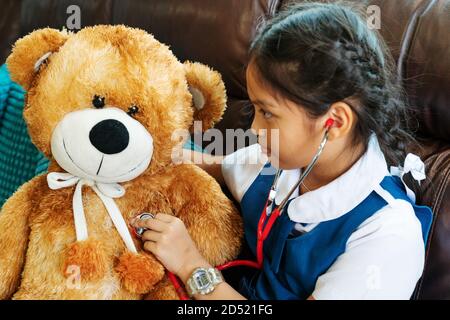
292	264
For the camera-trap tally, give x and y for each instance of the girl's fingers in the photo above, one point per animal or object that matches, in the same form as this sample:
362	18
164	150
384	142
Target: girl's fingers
164	217
150	246
153	224
151	235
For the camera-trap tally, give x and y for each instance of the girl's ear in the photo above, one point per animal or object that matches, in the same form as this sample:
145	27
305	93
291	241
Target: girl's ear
31	52
344	119
208	93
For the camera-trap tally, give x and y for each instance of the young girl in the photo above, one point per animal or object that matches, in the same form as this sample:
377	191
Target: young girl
351	230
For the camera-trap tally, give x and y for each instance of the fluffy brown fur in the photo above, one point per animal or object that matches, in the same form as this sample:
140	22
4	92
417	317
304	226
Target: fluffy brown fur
139	272
89	256
200	76
37	235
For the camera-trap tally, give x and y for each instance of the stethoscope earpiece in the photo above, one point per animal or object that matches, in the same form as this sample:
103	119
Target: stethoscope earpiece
329	123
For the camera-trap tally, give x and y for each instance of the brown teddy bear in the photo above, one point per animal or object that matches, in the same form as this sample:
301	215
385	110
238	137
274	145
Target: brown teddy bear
103	105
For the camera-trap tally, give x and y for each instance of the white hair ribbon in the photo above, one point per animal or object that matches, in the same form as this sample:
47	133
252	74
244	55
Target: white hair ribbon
416	167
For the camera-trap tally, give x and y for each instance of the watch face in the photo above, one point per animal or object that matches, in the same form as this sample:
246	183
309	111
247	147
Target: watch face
202	281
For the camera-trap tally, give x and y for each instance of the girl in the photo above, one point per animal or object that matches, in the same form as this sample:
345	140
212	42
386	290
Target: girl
351	230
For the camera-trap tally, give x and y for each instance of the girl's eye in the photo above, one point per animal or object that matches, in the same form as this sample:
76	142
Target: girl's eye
133	110
98	102
266	114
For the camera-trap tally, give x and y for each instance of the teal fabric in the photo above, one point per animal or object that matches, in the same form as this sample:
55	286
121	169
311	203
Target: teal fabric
19	158
190	145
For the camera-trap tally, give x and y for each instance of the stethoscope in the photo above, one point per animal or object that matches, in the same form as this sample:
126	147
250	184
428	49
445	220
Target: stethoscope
263	228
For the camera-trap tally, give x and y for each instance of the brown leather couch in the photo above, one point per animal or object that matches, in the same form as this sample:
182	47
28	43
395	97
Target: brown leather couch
218	32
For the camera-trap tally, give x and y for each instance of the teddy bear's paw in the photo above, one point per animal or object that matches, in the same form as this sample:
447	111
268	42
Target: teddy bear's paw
163	290
139	272
87	258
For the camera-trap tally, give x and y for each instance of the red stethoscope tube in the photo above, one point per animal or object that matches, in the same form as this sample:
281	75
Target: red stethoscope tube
262	231
262	234
178	287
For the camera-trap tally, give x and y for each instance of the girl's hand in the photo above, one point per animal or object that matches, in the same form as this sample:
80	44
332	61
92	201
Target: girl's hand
168	239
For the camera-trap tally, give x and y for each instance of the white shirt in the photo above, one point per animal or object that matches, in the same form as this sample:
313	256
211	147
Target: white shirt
384	256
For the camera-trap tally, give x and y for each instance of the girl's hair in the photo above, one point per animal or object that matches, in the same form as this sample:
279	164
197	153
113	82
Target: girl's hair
315	54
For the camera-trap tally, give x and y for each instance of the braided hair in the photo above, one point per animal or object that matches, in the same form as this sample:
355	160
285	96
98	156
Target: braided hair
315	54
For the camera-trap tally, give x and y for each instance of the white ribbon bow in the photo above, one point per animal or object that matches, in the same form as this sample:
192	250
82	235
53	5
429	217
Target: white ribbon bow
105	191
414	165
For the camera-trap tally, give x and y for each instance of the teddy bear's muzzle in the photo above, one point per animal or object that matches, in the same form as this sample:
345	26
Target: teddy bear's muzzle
104	145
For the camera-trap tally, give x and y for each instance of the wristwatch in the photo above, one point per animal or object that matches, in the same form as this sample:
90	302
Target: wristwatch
203	281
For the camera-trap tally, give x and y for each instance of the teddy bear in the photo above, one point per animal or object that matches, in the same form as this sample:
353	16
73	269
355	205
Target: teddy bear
103	104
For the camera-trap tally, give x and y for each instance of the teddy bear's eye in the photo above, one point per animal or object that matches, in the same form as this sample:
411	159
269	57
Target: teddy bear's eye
98	102
133	110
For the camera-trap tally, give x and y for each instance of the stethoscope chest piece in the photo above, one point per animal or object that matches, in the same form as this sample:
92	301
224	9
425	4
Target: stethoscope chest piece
144	216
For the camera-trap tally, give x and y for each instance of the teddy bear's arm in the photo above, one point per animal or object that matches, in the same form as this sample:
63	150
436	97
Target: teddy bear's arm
14	234
212	220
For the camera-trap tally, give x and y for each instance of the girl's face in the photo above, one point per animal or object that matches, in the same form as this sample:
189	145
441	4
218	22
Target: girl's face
285	132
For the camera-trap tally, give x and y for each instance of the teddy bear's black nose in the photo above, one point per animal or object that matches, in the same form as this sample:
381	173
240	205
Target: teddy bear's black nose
109	136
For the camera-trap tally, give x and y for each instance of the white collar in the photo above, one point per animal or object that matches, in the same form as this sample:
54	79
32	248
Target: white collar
339	196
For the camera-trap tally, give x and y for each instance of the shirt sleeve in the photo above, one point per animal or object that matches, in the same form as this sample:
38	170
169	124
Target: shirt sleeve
240	169
384	259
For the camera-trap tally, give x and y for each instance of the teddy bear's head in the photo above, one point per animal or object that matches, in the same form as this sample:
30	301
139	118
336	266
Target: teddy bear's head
106	102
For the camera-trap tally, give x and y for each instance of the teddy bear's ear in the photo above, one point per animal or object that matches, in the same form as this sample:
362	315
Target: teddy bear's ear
31	52
208	93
